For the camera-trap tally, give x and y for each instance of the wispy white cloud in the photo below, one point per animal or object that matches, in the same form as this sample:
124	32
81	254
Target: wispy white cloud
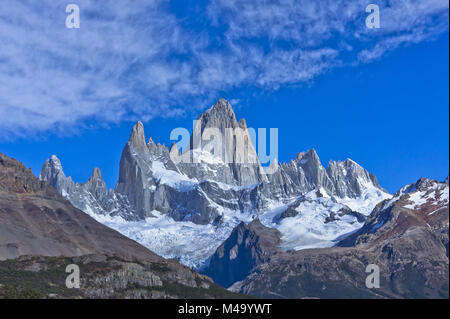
136	59
333	24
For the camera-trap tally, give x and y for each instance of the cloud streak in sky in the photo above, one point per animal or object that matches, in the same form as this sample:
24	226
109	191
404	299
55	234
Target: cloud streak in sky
139	59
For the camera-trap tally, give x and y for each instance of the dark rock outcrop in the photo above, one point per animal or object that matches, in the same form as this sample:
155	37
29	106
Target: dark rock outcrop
249	245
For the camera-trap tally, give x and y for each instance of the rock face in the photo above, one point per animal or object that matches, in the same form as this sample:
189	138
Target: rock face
217	182
422	204
406	237
91	197
226	153
41	233
349	179
248	246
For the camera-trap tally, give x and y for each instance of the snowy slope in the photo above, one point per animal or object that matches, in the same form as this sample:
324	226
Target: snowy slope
190	243
313	227
193	244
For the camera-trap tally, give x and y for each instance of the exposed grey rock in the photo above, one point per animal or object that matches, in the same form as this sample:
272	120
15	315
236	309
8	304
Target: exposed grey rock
343	212
238	161
306	173
349	179
91	197
135	181
53	174
300	176
289	212
326	203
96	185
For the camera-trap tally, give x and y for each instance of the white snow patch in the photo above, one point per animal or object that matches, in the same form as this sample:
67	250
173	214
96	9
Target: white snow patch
204	156
418	198
172	178
438	195
308	229
370	197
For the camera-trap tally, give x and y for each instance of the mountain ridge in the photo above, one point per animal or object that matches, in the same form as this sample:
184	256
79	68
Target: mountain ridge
406	237
211	195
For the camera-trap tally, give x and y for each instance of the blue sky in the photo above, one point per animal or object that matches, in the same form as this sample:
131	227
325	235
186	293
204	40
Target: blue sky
309	68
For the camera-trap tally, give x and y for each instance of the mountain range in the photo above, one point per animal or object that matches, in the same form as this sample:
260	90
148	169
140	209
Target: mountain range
187	210
298	231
